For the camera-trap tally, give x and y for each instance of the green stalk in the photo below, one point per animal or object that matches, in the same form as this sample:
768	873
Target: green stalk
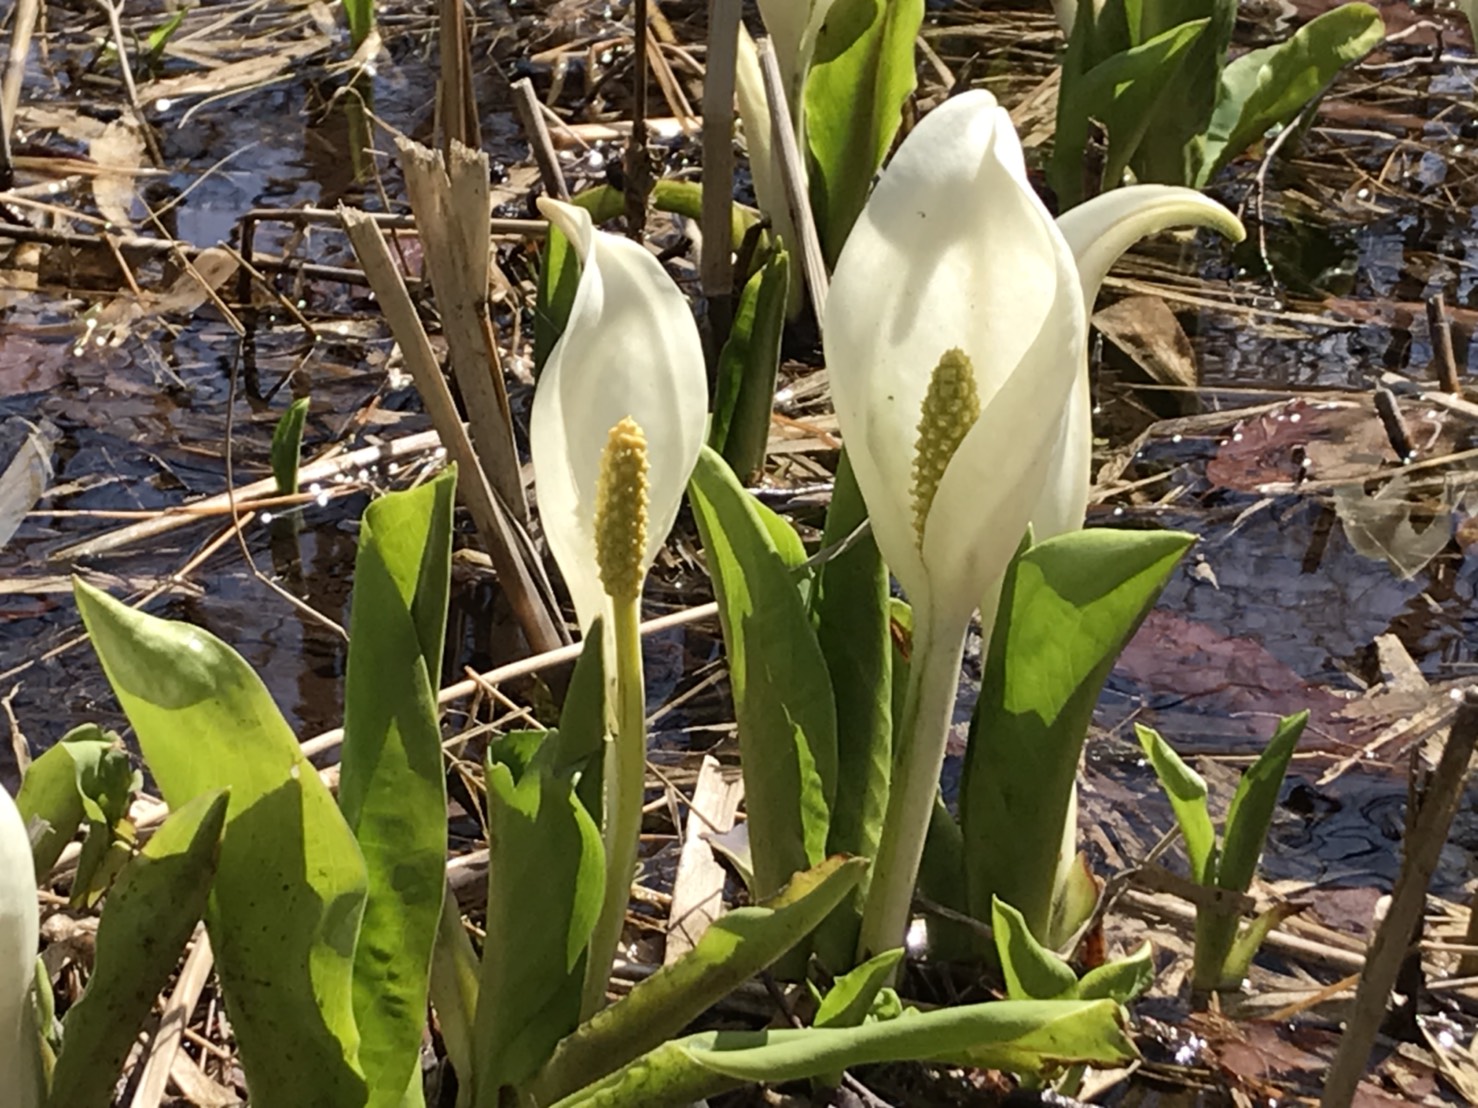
927	714
625	777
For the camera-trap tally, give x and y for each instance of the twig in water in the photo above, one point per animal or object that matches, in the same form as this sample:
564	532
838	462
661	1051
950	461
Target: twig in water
717	261
1389	410
1388	950
530	114
1443	361
638	164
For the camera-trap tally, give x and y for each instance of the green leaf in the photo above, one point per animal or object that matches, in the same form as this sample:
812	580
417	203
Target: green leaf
782	693
150	914
1122	980
678	197
738	945
1249	939
52	791
392	787
850	605
1068	606
105	787
1032	971
1268	87
1251	811
862	72
850	998
1122	92
290	886
1186	790
455	973
559	277
1173	124
159	37
748	366
546	872
579	747
360	16
1024	1036
287	446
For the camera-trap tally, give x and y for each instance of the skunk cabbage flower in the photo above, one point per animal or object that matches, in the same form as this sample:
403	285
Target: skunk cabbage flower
19	924
956	338
629	351
618	420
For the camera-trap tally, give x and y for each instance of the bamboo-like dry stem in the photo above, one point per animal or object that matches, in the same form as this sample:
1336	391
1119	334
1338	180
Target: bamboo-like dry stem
531	115
450	197
813	262
374	255
1388	950
716	267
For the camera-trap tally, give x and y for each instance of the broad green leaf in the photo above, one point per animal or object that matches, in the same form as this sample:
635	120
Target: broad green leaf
1121	92
1171	126
51	791
392	786
1246	829
1186	790
748	366
559	277
738	945
545	877
862	72
290	886
782	693
850	604
287	446
1121	980
1032	971
850	998
1024	1036
150	914
1068	606
1268	87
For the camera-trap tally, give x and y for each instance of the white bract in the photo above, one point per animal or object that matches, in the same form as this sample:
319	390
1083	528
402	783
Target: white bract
19	923
955	253
630	349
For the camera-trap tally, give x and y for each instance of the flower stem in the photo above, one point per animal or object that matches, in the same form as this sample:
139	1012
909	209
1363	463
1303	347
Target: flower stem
933	684
625	777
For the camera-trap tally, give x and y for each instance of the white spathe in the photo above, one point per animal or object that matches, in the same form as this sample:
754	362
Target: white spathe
954	250
19	925
630	348
793	26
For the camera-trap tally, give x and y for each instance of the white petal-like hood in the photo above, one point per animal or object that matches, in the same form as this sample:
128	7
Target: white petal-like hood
630	348
19	924
1098	232
954	250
